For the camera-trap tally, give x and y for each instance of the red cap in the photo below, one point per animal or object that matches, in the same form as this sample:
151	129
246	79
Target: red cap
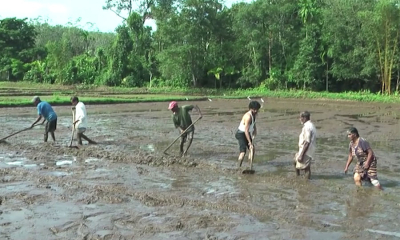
172	105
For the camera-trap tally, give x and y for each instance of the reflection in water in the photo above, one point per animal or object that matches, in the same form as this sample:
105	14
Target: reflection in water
361	204
216	187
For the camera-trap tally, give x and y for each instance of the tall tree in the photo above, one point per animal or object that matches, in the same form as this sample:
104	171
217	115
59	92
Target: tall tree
17	39
382	26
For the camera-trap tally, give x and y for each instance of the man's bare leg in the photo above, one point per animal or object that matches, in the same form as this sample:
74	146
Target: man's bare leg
240	159
190	136
183	139
79	137
53	136
297	170
357	179
90	141
308	172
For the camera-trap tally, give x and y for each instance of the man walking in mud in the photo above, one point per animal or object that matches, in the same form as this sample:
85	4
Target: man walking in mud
46	111
307	145
182	120
80	121
247	131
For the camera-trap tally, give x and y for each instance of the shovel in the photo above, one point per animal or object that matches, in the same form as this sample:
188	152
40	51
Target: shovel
165	151
250	171
23	130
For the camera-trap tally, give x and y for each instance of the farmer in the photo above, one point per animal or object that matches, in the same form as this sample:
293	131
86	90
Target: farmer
247	131
80	121
46	111
365	169
182	119
307	145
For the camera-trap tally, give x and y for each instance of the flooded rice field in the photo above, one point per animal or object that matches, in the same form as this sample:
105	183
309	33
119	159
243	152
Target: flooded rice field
125	188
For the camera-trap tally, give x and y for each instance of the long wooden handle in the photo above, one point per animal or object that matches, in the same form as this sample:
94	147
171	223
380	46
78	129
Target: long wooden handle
15	133
73	128
73	118
182	134
252	154
20	131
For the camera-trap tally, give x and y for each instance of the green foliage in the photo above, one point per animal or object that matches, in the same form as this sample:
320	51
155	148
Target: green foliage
323	45
17	39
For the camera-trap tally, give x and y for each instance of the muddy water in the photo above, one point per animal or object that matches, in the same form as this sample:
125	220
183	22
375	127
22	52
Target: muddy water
124	188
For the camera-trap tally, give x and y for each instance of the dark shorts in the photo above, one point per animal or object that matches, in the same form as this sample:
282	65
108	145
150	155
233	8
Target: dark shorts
51	126
243	143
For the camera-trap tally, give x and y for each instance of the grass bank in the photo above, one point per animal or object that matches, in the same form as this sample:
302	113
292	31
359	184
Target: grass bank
65	100
363	96
20	93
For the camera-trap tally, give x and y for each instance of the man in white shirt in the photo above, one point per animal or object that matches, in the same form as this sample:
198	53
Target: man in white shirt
80	121
307	145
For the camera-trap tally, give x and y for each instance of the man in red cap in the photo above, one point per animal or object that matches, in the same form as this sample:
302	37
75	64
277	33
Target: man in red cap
182	119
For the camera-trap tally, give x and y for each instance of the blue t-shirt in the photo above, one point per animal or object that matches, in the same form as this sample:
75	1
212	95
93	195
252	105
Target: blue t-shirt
45	109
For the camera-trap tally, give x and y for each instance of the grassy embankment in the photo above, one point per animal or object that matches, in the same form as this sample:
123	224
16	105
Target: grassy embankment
20	94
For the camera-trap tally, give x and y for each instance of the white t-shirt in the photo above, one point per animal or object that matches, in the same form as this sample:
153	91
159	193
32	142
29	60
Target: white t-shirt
80	115
308	134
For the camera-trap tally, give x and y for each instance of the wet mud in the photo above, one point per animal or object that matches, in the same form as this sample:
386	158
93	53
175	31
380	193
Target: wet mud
126	188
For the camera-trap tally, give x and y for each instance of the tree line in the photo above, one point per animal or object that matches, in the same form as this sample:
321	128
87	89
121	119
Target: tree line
319	45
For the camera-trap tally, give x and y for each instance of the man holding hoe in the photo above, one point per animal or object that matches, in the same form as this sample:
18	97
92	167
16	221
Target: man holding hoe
246	132
46	111
80	121
182	119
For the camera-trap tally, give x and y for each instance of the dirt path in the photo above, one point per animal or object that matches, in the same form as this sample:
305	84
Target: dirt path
124	188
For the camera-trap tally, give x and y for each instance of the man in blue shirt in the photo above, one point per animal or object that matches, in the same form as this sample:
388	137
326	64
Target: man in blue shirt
46	111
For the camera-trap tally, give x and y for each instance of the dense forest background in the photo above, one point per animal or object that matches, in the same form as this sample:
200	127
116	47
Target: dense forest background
319	45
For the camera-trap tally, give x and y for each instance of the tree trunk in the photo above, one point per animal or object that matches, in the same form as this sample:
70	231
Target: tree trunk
151	76
327	77
269	54
194	80
398	80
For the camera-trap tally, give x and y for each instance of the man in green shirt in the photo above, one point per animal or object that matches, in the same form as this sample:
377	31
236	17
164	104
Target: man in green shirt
182	119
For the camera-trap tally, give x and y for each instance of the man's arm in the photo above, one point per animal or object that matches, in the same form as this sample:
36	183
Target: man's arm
349	160
369	158
198	109
246	121
255	131
306	144
37	120
303	151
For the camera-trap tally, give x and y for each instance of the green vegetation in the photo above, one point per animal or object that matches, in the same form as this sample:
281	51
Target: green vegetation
65	100
309	45
20	94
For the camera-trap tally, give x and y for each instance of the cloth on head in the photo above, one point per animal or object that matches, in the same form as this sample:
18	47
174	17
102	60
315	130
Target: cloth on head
35	99
172	105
